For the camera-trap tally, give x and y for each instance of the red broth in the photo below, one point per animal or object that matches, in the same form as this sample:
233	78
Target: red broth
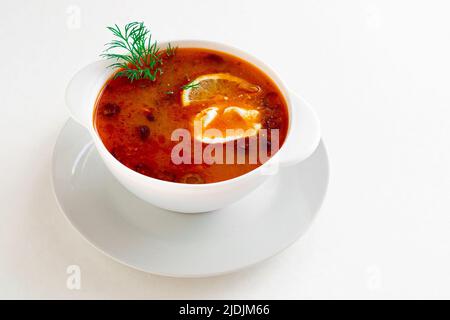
135	120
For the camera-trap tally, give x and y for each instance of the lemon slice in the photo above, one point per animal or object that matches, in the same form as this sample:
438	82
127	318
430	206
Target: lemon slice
244	122
216	86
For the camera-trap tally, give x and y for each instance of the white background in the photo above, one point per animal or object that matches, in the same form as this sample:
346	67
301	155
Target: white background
378	74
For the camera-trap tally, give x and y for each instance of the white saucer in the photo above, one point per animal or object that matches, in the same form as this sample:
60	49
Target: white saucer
153	240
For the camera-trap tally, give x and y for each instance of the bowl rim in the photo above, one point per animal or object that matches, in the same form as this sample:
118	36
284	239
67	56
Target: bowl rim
227	49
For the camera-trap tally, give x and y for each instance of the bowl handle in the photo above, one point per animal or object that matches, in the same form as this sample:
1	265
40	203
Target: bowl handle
304	135
83	89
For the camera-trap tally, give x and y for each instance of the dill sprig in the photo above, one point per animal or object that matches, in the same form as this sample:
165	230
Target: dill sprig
191	85
170	51
141	58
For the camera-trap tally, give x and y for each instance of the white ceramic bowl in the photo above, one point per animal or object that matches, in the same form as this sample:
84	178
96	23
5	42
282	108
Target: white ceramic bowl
302	139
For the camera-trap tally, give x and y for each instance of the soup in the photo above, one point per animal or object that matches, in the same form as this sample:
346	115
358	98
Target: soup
136	120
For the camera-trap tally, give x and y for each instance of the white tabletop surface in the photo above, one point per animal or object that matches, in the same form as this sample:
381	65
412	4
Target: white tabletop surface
378	74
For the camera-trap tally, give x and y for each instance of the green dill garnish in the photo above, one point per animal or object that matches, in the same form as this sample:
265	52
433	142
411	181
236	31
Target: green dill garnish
187	86
170	51
141	57
191	85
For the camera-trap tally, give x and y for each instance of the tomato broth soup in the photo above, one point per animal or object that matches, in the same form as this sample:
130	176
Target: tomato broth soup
136	120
